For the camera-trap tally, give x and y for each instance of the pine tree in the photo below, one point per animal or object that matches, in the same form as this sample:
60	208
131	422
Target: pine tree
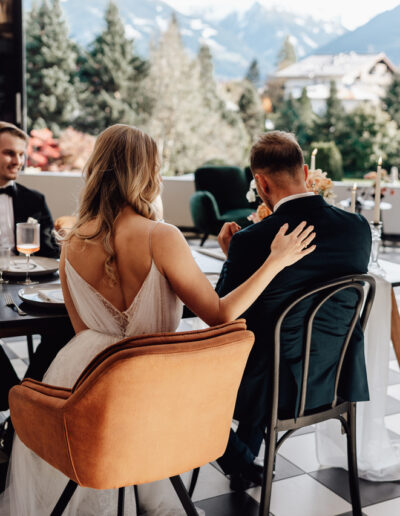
253	73
306	120
330	126
112	76
189	120
392	99
286	55
369	133
251	110
288	116
51	69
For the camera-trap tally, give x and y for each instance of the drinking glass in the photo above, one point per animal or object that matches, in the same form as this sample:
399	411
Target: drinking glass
28	242
4	262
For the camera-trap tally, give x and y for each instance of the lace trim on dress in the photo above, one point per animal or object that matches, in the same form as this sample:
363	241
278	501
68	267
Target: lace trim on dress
121	318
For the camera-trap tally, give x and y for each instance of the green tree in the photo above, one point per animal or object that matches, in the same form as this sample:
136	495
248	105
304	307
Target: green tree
288	116
369	133
112	77
329	159
189	120
392	99
251	110
50	69
330	125
286	55
253	74
306	120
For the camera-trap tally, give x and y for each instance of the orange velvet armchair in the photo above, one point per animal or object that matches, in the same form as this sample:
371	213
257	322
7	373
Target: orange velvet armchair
147	408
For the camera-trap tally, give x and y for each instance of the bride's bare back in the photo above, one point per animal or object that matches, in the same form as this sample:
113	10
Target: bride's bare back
133	261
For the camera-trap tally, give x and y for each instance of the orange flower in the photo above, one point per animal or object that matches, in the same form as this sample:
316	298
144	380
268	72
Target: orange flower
262	212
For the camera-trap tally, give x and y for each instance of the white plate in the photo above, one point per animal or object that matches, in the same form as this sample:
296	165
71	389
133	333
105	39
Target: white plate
45	294
40	266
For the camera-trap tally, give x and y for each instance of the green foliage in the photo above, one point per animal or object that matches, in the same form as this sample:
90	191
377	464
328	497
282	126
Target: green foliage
369	133
328	159
50	69
111	76
251	110
286	55
392	99
296	116
189	120
253	74
331	124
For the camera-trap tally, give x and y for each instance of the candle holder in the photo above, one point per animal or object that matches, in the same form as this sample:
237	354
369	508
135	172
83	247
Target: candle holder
376	233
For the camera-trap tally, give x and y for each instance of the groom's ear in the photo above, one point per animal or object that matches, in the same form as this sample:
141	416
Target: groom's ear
262	183
305	172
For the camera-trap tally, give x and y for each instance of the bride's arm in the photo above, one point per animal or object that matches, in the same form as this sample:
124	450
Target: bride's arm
76	321
174	259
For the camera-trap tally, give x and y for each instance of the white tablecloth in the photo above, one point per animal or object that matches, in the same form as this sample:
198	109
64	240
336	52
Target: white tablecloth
378	454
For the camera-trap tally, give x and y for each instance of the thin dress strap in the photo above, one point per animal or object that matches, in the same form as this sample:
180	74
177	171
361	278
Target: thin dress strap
150	238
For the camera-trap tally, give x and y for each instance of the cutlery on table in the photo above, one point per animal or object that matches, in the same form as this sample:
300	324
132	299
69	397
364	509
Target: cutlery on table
8	300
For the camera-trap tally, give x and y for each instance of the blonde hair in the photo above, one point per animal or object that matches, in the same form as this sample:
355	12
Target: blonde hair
123	170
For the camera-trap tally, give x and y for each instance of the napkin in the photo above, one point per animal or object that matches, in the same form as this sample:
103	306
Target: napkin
51	296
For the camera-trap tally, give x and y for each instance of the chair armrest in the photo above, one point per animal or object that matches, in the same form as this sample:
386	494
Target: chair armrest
38	418
205	212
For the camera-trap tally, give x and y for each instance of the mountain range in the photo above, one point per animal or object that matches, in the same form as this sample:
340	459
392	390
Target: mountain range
235	40
239	37
380	34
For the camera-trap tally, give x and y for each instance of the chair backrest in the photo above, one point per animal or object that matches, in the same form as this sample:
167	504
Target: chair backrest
314	299
228	185
147	408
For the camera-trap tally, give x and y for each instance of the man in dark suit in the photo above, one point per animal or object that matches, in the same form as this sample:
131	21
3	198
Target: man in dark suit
17	204
343	242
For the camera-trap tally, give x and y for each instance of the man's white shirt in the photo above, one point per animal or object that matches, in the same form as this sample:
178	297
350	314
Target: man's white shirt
292	198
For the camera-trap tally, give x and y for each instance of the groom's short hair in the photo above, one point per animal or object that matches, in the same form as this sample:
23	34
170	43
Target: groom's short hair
276	151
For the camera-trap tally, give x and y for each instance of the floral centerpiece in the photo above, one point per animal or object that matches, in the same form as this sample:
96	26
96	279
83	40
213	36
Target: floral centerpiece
317	182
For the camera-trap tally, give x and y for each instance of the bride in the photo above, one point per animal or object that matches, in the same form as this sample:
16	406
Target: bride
124	273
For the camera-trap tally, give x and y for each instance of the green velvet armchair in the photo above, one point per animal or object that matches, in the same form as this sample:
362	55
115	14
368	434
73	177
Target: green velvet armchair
220	197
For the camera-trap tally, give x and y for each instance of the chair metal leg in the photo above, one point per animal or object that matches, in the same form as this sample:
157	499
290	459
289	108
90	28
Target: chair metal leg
193	481
29	343
205	236
183	495
136	491
352	461
121	501
64	498
269	459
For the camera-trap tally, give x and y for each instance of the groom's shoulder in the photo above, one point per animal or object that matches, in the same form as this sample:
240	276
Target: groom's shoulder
257	234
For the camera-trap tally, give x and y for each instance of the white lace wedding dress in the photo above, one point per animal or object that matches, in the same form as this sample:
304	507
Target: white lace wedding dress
33	485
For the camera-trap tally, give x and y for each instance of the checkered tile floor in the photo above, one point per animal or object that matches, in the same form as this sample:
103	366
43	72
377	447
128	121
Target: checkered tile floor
301	487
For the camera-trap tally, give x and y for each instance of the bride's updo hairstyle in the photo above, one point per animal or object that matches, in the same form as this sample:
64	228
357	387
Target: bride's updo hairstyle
122	170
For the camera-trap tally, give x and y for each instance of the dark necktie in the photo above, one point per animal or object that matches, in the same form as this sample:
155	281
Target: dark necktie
9	190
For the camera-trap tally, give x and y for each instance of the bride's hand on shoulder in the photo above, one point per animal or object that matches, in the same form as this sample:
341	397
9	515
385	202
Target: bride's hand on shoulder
289	248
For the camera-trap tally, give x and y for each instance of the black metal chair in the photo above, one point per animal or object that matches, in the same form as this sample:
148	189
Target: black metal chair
344	411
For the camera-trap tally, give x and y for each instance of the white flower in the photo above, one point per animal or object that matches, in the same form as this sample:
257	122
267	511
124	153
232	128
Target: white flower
251	196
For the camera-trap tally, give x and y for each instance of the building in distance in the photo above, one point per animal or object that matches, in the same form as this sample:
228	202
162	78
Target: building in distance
358	77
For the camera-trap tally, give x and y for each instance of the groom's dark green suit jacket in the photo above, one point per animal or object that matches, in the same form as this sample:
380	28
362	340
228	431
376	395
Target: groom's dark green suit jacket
343	247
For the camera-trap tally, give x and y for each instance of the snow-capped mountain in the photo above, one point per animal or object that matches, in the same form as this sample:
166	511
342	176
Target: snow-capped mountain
235	40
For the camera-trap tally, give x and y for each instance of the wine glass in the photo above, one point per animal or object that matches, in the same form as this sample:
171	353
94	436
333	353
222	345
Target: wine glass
4	262
28	242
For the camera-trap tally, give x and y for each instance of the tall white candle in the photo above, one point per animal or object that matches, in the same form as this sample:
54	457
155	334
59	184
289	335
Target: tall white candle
353	198
313	154
378	193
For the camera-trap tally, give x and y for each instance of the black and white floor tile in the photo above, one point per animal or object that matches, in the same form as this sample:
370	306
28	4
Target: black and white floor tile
301	487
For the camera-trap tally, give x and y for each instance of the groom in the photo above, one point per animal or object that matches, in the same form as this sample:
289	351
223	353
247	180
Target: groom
343	243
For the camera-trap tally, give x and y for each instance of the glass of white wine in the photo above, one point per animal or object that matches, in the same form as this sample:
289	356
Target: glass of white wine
4	262
28	242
